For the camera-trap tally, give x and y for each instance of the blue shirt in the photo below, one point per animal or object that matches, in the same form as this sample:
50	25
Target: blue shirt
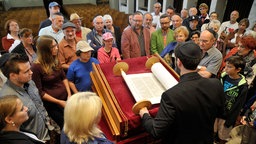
79	74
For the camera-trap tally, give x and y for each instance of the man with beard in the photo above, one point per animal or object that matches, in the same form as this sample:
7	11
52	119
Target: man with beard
54	29
67	46
135	41
162	37
147	22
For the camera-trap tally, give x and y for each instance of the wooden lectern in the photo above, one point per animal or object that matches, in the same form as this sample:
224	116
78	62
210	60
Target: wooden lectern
118	100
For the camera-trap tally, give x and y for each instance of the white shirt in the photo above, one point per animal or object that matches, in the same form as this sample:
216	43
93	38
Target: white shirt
49	31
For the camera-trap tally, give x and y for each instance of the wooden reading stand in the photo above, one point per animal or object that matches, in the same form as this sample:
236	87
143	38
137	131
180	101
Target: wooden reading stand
119	119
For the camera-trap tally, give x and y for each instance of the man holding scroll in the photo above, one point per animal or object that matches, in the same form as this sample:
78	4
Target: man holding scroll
188	110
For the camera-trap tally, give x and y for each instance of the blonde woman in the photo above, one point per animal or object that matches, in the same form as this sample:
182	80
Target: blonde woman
181	33
50	78
82	127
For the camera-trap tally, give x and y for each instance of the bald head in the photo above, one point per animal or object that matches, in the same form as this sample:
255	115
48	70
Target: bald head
192	11
176	21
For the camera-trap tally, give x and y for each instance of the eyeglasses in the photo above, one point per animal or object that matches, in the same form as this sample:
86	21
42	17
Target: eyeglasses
162	23
203	41
137	20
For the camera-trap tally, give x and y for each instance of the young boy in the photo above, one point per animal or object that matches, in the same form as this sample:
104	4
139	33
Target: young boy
235	88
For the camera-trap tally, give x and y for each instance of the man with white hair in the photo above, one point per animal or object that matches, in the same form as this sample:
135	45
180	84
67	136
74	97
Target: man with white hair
147	22
176	21
156	14
55	29
94	38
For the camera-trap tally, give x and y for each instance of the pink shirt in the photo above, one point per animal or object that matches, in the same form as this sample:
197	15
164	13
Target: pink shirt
103	57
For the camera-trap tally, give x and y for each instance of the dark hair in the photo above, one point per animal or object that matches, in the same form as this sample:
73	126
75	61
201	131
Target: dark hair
7	24
197	32
11	65
25	32
237	61
78	53
164	16
137	13
215	35
214	13
246	21
188	60
171	7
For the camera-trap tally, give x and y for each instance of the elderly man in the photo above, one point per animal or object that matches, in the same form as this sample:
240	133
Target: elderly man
176	22
156	14
67	46
54	29
163	36
147	22
135	41
184	14
212	57
94	38
16	68
54	7
229	26
81	32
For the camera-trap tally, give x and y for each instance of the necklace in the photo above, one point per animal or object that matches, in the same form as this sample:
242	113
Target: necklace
107	51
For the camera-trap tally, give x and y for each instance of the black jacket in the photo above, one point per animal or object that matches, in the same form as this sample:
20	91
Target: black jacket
187	111
13	137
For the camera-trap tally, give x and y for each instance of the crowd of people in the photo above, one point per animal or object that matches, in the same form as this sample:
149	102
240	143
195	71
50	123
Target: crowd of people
216	63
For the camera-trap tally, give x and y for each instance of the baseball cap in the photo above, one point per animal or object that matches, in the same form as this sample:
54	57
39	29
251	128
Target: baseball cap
83	46
68	24
193	17
74	16
52	4
107	36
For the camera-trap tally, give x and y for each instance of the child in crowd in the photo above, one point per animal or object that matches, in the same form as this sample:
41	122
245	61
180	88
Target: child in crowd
235	88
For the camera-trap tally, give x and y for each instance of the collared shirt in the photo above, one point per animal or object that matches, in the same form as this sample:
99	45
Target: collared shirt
212	60
14	44
49	31
140	37
38	117
67	52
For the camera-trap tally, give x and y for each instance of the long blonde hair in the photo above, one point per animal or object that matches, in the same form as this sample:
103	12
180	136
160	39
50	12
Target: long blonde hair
44	54
81	117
